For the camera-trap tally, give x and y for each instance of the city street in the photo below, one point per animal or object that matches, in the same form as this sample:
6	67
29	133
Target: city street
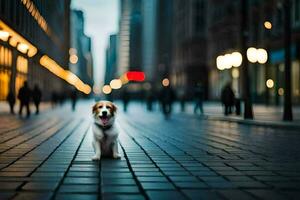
186	157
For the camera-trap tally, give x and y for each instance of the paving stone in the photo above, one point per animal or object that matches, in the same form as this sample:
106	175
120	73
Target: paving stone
40	186
81	180
157	186
162	195
118	181
200	194
10	185
76	197
78	189
120	189
235	195
33	196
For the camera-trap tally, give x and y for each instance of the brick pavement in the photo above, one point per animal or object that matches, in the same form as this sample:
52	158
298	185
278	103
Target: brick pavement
48	157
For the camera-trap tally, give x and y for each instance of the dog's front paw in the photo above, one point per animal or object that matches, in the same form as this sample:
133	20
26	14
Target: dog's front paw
116	156
94	158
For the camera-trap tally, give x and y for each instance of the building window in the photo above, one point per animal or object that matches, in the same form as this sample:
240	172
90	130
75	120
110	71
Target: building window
22	71
199	15
296	13
5	71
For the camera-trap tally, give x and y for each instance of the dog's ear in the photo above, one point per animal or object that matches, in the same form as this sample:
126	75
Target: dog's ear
95	108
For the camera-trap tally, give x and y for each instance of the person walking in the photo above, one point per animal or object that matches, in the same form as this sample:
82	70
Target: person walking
11	99
24	96
36	96
167	97
74	99
227	98
125	98
199	97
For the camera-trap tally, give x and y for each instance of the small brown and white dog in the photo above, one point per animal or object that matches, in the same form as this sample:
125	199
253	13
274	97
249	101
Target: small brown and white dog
105	139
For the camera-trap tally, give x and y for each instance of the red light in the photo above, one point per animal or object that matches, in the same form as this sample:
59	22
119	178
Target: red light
135	76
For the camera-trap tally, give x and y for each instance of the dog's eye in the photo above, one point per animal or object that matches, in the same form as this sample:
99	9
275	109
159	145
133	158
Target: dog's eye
100	107
108	107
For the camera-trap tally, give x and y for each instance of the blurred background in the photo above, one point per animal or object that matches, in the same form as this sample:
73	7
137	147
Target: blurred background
105	48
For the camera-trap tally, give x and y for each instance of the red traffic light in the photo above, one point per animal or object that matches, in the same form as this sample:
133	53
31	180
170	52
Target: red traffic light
135	76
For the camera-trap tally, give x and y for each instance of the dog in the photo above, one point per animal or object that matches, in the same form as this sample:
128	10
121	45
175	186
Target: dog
105	132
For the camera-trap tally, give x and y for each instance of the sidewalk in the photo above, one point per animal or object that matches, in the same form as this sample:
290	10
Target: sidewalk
263	115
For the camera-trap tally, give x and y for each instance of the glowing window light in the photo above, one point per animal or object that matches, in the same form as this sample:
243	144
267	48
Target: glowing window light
270	83
23	48
280	91
15	39
165	82
106	89
115	84
235	73
66	75
73	59
268	25
219	62
262	56
252	54
236	59
4	35
13	42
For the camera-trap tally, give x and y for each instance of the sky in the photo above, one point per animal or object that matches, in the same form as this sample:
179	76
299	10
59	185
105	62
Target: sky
101	20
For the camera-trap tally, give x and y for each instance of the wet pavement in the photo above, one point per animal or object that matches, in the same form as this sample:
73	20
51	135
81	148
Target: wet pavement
186	157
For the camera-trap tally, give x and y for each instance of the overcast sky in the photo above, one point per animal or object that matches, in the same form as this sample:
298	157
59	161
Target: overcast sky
101	20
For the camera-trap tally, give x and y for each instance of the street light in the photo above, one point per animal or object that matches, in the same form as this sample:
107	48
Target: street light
236	59
115	84
270	83
106	89
268	25
257	55
262	56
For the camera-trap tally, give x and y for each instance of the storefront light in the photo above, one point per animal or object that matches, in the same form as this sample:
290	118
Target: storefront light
236	59
270	83
4	35
268	25
235	73
23	48
262	56
252	54
115	84
165	82
106	89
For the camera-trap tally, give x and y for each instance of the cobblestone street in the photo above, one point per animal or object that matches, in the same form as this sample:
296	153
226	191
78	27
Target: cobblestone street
187	157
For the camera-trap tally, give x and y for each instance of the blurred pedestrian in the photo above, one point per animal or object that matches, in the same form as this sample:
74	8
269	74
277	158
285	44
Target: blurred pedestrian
227	98
54	99
11	99
24	96
126	98
150	99
182	98
199	97
74	99
36	96
167	97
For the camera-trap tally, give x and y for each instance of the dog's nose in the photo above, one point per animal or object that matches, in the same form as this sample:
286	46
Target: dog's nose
104	113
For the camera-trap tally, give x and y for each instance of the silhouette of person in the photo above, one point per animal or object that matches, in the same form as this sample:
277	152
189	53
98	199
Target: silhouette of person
167	97
36	96
74	99
199	97
54	99
149	99
182	99
125	98
227	98
24	97
11	99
